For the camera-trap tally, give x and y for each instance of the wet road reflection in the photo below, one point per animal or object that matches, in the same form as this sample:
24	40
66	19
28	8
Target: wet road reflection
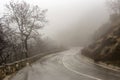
67	65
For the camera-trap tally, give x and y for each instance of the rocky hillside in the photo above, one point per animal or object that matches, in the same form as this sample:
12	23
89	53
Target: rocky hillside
107	47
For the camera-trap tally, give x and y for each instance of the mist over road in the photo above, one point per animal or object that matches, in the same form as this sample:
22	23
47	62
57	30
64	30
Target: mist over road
66	65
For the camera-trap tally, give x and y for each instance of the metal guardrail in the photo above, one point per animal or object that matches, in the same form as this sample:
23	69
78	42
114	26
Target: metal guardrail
32	57
10	68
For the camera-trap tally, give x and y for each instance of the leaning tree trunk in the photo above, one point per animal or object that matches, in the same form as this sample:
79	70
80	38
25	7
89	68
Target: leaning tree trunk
26	48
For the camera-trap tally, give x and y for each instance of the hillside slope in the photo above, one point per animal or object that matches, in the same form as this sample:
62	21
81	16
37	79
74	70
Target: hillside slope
107	47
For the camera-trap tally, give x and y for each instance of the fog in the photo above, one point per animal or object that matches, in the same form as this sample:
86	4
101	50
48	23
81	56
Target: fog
71	22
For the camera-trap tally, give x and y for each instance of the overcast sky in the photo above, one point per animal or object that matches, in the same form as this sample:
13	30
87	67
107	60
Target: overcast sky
70	16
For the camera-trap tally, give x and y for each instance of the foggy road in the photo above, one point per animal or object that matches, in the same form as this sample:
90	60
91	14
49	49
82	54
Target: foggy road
66	65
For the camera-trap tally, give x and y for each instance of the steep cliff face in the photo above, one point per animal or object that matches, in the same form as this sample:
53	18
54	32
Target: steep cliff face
107	47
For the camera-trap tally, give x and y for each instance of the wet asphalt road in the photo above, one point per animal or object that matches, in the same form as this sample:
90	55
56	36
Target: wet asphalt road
66	65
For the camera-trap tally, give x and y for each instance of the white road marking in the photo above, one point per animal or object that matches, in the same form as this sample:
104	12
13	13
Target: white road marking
102	65
79	72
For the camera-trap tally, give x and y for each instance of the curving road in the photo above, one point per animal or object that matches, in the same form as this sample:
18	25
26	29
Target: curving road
67	65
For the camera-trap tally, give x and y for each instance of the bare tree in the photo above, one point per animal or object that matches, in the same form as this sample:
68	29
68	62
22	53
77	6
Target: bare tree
114	8
114	5
8	42
2	44
25	20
